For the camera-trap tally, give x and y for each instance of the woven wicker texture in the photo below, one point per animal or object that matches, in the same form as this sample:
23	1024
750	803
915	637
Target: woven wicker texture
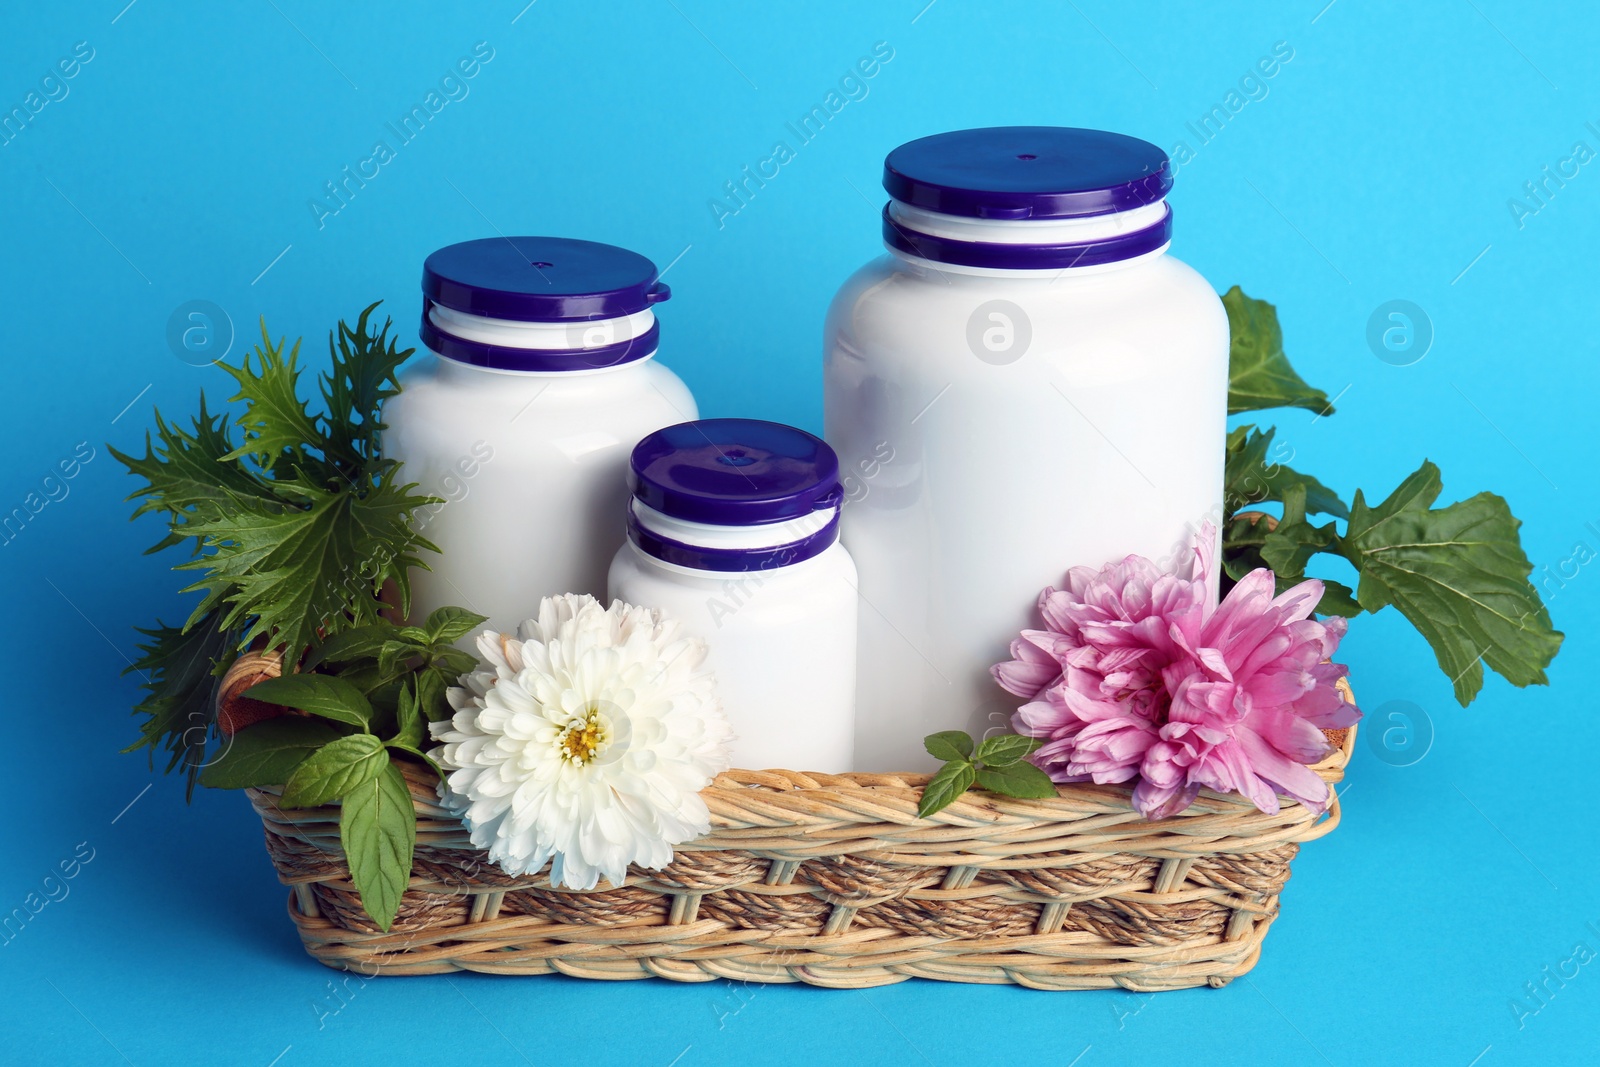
834	881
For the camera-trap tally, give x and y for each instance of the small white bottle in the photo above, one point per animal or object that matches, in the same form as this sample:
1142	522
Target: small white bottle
733	530
541	380
1025	383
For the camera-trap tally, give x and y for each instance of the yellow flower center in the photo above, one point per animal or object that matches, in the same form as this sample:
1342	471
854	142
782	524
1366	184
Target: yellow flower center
584	739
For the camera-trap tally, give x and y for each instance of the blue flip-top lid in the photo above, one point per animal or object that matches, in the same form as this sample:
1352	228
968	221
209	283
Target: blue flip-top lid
735	472
541	279
1027	172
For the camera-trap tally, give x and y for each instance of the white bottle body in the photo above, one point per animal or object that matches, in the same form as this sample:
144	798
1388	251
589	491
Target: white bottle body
782	644
977	474
533	470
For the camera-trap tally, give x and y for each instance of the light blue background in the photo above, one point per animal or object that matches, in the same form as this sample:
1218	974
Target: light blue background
1377	167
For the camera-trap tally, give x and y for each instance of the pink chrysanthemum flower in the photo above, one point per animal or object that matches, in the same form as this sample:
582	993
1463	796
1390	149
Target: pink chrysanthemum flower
1095	675
1136	677
1249	703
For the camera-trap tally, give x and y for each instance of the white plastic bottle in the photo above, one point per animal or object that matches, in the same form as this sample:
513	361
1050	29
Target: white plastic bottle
1027	382
541	380
733	530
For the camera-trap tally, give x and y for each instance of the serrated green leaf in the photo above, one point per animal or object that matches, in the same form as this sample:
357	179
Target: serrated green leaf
363	374
294	569
1021	779
1259	374
378	829
275	419
267	753
949	782
186	469
326	695
1002	750
948	744
1256	473
334	771
180	668
1459	575
448	624
1337	599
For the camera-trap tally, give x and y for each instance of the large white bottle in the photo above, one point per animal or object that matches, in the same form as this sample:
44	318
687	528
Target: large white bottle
1026	382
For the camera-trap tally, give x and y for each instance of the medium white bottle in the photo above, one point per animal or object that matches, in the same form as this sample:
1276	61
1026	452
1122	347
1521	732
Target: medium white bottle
733	531
542	377
1027	382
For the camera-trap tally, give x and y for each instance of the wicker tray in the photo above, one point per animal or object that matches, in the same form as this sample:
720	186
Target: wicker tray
834	881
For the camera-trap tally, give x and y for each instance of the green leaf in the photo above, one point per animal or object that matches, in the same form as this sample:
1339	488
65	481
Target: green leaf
275	419
948	744
408	719
360	643
419	754
335	770
1255	474
432	683
186	469
949	782
1021	779
295	568
449	624
1002	750
452	663
364	373
321	694
1259	374
378	829
1250	542
180	668
1459	575
267	753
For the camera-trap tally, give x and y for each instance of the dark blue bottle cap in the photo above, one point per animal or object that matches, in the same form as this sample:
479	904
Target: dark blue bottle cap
1027	172
735	472
541	279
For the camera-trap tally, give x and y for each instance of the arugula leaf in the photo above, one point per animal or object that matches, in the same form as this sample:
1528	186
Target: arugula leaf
1251	478
326	695
949	782
1020	779
181	667
948	744
1004	750
267	753
335	770
1259	374
378	829
1459	575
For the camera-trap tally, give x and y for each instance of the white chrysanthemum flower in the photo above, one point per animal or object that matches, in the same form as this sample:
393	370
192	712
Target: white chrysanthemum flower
585	743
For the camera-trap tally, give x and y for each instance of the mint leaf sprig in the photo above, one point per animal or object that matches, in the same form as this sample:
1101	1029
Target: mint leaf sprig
1457	573
999	765
353	731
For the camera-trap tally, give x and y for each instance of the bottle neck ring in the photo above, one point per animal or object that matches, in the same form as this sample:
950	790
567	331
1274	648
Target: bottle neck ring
1044	244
